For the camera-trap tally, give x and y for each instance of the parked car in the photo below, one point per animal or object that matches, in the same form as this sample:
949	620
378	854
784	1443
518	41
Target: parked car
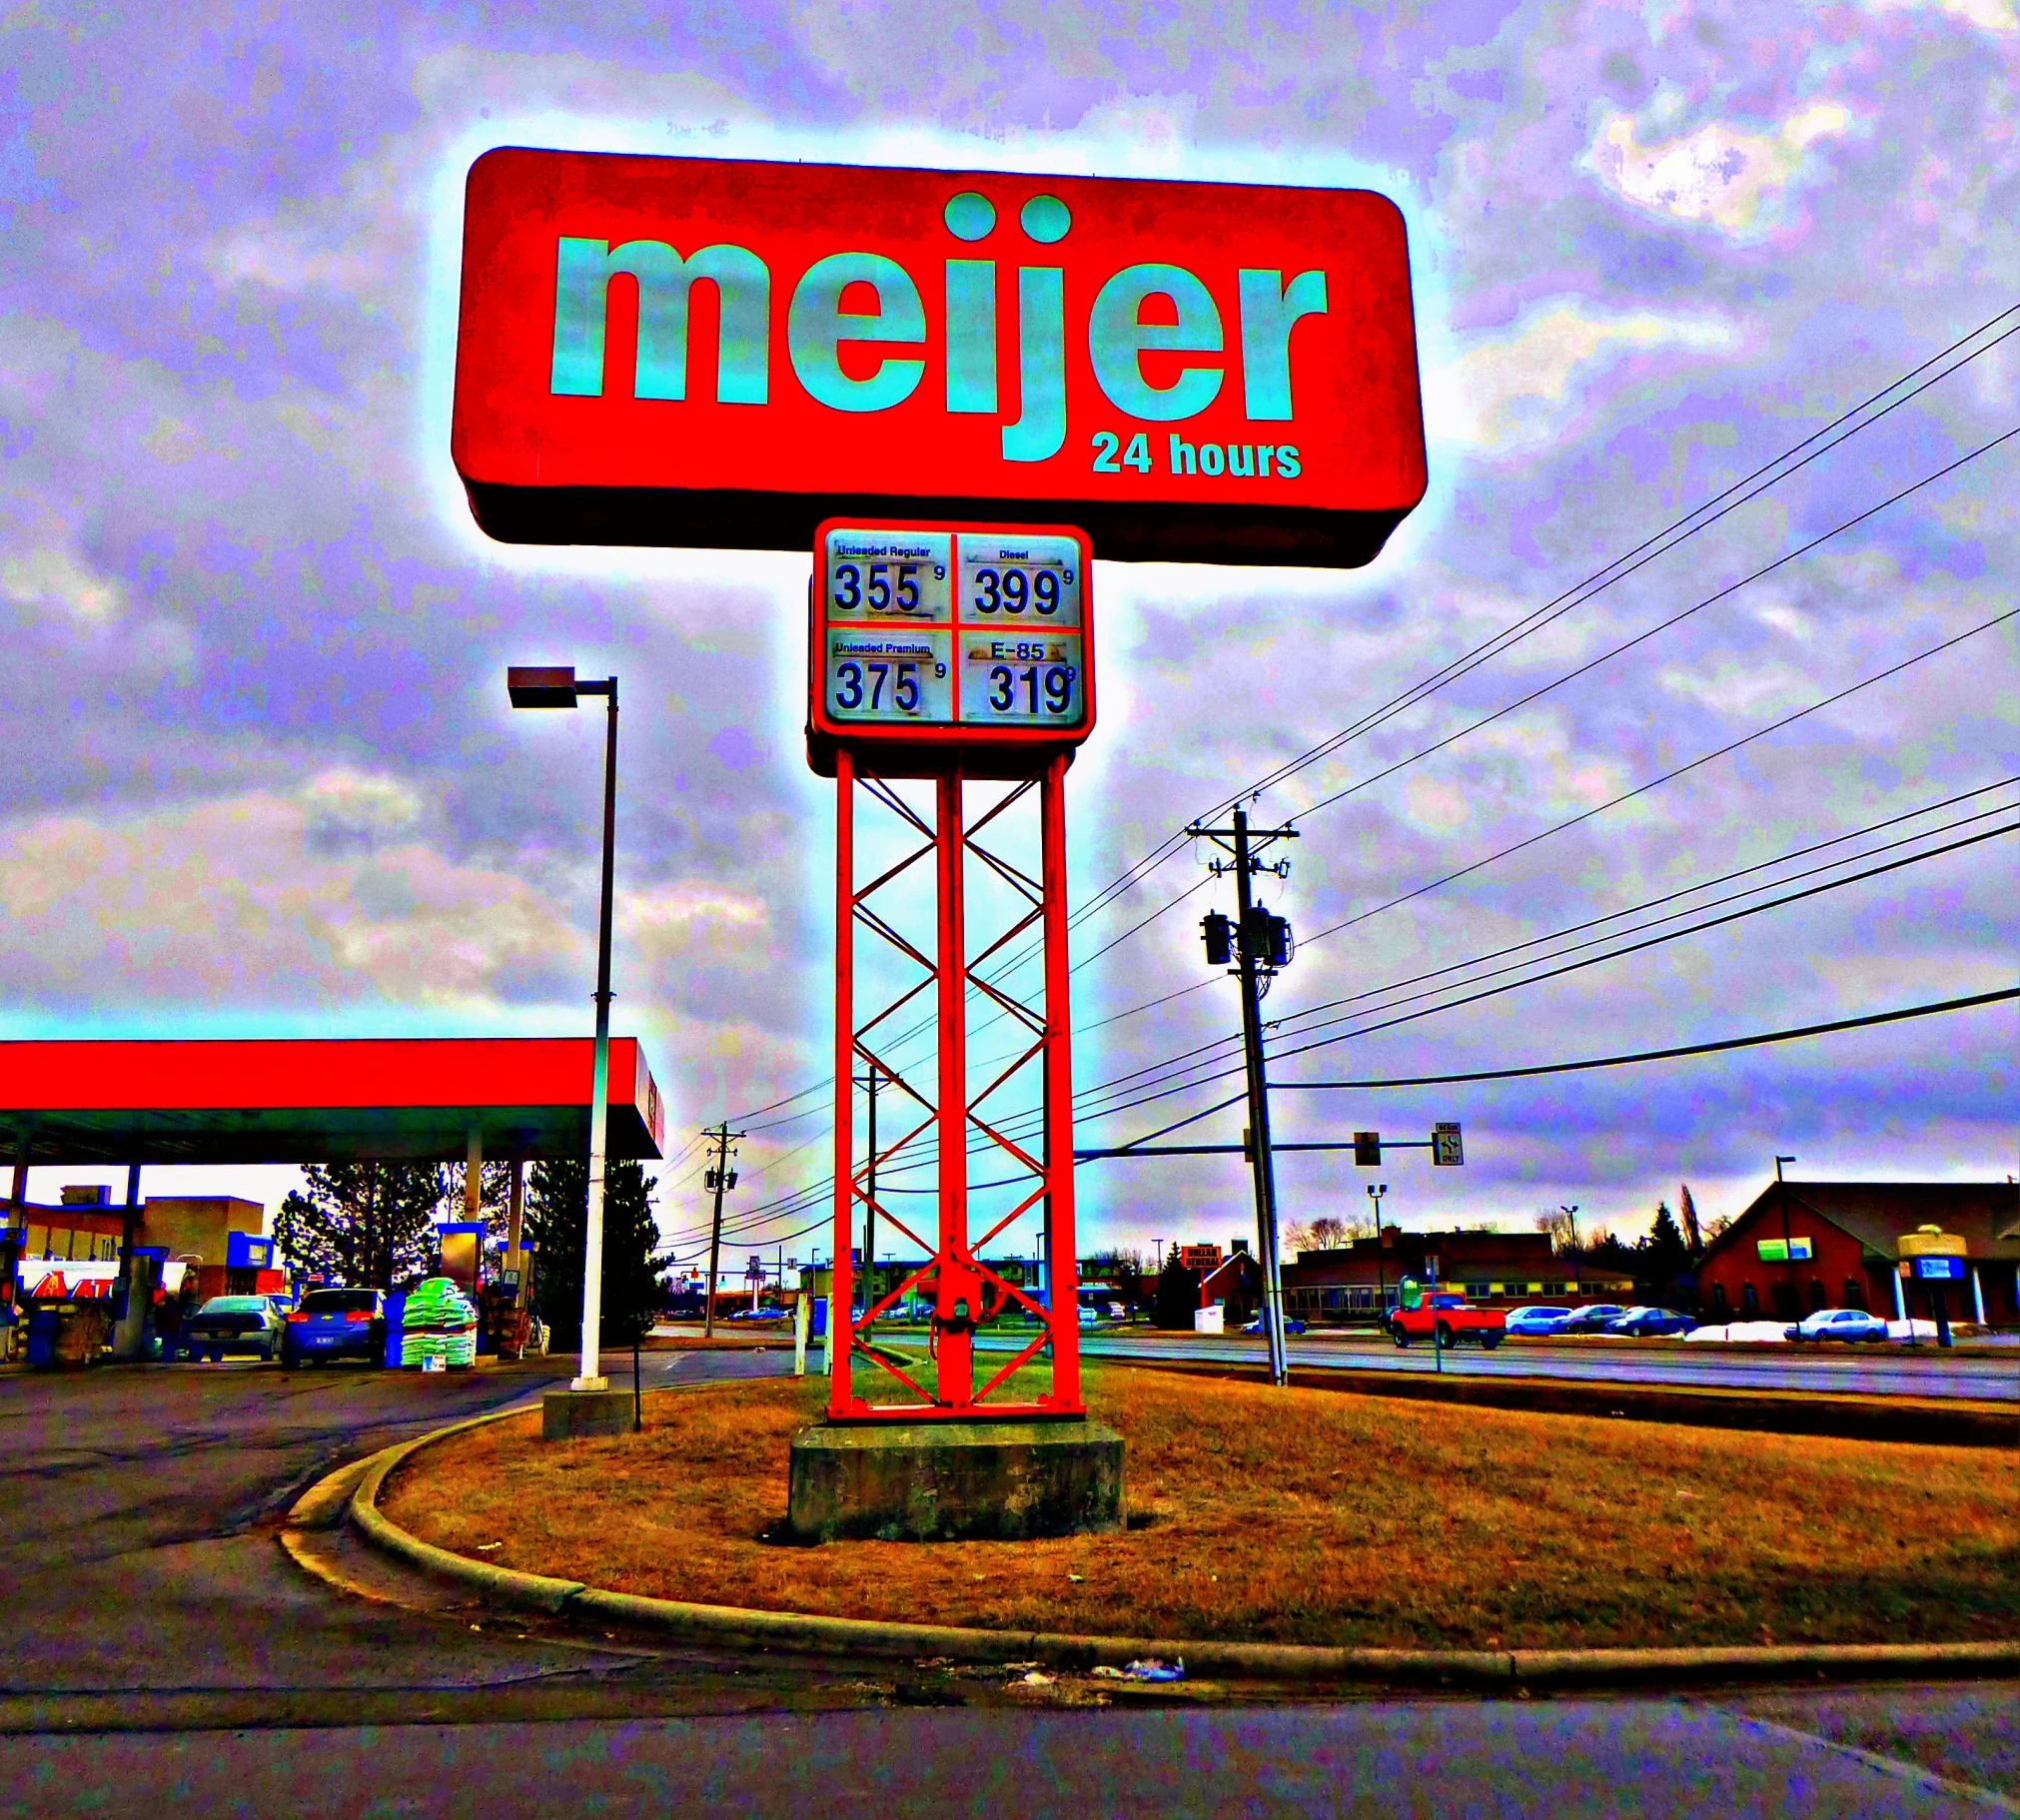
1838	1323
1592	1317
1536	1319
1640	1322
334	1323
232	1324
1292	1325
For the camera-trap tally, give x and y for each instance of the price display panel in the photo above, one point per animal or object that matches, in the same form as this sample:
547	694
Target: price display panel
951	636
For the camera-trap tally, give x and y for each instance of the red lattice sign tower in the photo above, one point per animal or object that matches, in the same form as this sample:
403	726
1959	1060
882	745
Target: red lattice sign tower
952	655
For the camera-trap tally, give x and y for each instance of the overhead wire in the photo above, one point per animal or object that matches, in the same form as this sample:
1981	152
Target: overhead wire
1503	640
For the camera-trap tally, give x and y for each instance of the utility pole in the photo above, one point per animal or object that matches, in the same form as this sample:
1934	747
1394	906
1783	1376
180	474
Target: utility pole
1262	945
721	1179
1787	1259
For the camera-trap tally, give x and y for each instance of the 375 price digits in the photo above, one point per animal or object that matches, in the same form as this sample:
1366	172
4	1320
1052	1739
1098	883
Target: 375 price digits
856	683
884	584
1051	681
1007	589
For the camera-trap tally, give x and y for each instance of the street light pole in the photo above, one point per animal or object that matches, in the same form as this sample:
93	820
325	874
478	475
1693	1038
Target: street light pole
559	688
1375	1190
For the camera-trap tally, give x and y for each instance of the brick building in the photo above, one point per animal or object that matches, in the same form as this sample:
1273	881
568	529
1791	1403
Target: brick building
222	1236
1851	1232
1498	1270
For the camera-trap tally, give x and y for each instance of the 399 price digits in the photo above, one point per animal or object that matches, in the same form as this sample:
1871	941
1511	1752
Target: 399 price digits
1007	588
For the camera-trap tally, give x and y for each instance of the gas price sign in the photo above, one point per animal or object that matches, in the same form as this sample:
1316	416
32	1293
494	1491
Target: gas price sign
950	635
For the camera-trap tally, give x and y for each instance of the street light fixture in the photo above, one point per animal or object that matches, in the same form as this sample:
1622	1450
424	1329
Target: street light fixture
557	687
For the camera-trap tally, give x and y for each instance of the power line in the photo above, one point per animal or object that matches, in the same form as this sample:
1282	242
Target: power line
1715	922
1166	1092
1810	872
1581	593
1661	1055
1576	597
1569	822
1619	1060
1281	1024
1504	640
1606	656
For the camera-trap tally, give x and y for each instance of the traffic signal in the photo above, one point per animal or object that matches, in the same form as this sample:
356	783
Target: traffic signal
1220	937
1368	1150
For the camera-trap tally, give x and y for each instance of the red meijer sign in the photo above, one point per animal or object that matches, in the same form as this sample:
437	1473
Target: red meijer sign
722	354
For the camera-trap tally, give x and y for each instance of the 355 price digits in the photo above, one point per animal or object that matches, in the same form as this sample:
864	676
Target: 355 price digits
884	584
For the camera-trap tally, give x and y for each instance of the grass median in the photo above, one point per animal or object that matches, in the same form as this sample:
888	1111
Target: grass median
1296	1516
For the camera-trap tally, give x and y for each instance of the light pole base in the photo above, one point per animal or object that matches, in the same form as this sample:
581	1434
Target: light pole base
584	1415
589	1384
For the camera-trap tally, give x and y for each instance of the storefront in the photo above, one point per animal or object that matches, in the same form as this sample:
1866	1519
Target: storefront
1804	1245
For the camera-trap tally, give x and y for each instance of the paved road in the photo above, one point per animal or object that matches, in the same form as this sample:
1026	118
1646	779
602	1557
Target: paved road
165	1657
139	1511
1992	1375
1652	1758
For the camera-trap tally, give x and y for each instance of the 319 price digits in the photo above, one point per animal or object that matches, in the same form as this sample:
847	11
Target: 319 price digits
1054	681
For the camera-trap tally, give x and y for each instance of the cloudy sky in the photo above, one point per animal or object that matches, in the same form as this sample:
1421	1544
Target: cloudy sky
260	776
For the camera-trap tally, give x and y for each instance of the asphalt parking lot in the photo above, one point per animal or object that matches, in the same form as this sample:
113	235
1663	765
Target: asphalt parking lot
166	1655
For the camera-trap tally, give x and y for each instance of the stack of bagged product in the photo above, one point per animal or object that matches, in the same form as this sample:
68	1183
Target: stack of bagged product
440	1324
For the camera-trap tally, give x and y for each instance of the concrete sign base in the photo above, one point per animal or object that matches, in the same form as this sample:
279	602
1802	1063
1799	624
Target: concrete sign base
584	1415
954	1481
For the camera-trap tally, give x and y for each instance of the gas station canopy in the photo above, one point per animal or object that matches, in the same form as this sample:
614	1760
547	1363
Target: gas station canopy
344	1101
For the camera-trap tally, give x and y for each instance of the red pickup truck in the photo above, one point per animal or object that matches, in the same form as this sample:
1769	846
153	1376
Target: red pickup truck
1444	1316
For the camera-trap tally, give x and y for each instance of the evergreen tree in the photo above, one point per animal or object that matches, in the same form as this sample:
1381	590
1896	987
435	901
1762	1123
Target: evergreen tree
368	1225
1178	1295
1662	1255
557	1219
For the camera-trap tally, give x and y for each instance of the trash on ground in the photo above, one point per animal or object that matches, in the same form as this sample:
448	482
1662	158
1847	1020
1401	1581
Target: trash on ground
1144	1668
1035	1679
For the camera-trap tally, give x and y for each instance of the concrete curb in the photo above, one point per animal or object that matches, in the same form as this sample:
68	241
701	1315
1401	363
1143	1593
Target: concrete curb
505	1584
734	1627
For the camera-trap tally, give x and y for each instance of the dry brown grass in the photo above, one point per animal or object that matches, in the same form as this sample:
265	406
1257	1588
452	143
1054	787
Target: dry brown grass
1296	1516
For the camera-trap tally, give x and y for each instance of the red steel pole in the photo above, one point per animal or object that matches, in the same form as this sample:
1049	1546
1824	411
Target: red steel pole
1061	1270
840	1332
957	1301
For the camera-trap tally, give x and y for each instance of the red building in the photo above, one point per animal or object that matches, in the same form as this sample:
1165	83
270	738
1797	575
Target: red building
1813	1245
1352	1282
